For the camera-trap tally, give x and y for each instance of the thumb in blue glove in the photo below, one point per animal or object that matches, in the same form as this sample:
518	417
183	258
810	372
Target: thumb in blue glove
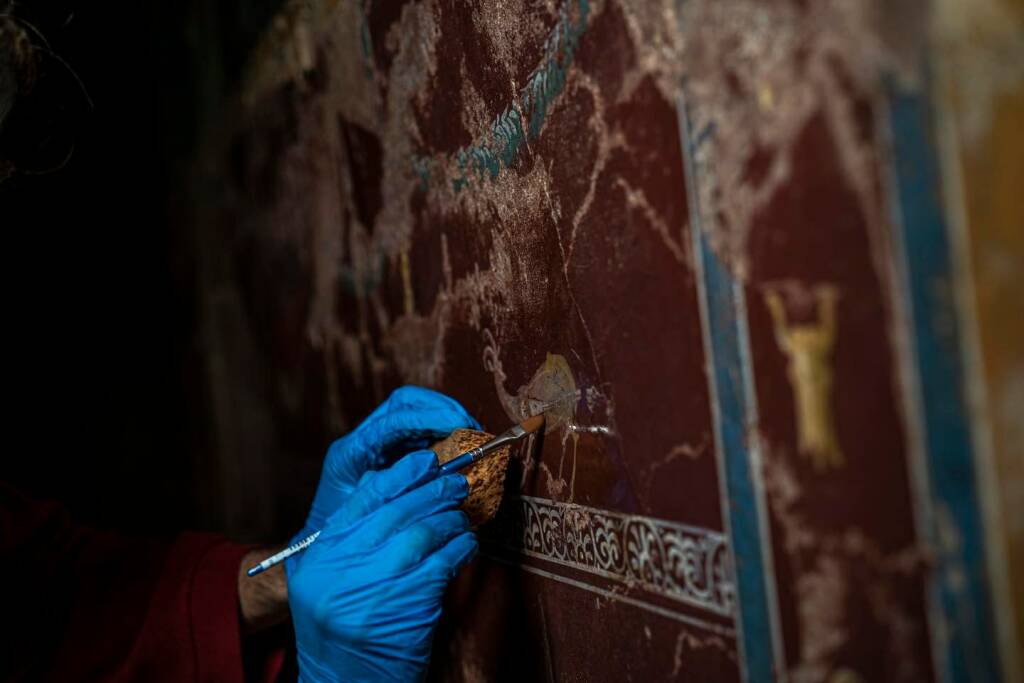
410	418
366	597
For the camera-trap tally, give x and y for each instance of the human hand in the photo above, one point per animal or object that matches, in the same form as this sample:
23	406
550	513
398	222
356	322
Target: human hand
411	418
366	596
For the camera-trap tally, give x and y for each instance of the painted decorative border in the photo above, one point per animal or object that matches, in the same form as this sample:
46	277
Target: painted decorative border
964	633
676	561
734	406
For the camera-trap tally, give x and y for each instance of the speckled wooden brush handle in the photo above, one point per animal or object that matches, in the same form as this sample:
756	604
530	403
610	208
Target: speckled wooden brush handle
486	477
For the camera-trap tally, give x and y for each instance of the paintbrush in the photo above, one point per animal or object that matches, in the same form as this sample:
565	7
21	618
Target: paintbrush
461	462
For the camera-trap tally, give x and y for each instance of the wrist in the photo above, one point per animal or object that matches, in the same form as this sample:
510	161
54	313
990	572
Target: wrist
262	599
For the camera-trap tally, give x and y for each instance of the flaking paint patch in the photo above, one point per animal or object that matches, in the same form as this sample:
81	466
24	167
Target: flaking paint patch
653	27
510	25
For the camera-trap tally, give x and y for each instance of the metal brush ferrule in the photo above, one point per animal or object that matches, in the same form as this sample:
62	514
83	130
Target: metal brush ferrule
509	437
474	454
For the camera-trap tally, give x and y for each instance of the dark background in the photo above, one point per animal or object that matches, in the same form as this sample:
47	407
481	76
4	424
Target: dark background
105	404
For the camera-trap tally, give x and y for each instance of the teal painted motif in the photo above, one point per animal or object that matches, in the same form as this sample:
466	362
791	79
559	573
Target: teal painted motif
523	119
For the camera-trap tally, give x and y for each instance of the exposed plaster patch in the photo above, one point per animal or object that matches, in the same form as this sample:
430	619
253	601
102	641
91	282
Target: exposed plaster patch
413	41
686	640
653	31
755	75
509	26
552	389
474	112
820	595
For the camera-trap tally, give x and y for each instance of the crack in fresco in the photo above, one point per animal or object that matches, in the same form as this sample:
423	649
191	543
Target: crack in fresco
635	198
682	450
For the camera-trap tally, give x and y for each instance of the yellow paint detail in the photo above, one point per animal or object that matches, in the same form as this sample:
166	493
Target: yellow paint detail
809	347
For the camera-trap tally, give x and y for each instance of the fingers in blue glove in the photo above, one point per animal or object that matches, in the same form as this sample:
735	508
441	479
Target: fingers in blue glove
420	401
411	418
373	530
411	396
366	597
421	541
379	487
444	564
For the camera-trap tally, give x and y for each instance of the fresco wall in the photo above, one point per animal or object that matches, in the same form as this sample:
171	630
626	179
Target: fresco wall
717	242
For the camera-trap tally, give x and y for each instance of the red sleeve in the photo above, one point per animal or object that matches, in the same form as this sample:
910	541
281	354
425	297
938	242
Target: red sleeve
98	606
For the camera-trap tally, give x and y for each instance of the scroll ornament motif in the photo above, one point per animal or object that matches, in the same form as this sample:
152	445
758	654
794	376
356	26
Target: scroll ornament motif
676	561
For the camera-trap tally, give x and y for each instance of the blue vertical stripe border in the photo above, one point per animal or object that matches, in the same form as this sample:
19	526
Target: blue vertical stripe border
967	648
726	348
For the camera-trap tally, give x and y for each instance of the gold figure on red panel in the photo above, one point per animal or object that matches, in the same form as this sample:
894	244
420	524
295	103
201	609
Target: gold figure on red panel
809	349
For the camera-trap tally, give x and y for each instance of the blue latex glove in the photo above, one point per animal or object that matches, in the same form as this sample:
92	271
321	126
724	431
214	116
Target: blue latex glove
411	418
366	596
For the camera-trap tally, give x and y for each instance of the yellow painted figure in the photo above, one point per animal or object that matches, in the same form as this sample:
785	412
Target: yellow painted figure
809	350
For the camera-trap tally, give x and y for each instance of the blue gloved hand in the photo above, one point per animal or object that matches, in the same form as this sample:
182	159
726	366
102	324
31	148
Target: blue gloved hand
366	596
411	418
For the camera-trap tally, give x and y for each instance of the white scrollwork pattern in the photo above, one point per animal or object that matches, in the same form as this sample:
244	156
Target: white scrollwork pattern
677	561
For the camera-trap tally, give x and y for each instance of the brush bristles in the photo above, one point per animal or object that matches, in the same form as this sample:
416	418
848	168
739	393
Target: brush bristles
532	424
